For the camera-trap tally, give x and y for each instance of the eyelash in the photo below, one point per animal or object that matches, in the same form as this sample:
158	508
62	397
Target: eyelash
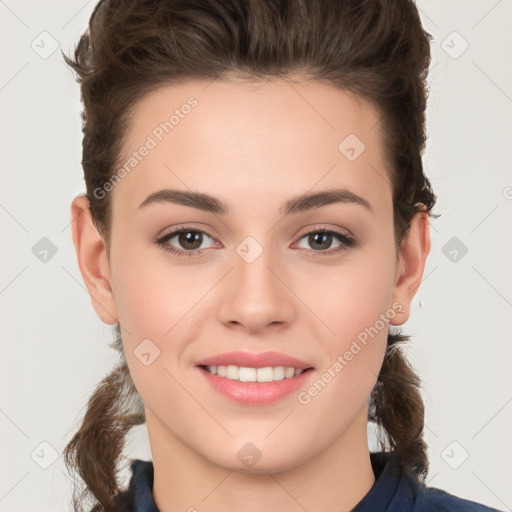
346	242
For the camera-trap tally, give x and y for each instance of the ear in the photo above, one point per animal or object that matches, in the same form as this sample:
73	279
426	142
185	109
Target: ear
413	253
93	261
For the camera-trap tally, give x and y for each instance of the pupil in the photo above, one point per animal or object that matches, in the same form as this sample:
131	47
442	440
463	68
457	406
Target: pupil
324	242
192	238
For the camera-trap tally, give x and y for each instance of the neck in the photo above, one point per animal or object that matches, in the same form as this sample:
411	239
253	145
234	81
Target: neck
337	478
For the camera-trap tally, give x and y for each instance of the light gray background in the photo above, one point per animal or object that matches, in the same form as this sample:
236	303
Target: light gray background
55	349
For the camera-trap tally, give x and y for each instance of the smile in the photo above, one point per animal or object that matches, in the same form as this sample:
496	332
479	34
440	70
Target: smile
245	374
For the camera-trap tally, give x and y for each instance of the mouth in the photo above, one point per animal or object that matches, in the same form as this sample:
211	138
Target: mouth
250	386
250	374
255	379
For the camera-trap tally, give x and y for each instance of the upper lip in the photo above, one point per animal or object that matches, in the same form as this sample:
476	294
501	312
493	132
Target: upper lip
249	360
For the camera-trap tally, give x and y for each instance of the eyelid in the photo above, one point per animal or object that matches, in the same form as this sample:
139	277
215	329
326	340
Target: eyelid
317	228
175	230
347	240
306	231
163	239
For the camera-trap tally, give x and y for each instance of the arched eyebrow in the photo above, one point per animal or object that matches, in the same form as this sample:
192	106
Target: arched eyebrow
304	202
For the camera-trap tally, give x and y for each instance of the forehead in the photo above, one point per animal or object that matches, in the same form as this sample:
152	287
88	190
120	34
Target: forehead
274	136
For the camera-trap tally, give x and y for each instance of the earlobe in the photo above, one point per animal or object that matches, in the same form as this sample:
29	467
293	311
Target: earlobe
93	261
413	253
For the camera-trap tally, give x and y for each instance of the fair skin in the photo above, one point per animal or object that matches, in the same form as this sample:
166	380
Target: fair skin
254	148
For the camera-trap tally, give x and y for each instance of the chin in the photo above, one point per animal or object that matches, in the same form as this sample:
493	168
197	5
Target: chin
250	460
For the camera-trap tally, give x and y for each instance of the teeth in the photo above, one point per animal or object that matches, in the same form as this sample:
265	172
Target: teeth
243	374
289	372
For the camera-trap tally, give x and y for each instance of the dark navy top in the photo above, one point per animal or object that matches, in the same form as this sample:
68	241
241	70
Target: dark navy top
392	491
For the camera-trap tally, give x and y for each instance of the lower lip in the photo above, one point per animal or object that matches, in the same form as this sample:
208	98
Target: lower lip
256	393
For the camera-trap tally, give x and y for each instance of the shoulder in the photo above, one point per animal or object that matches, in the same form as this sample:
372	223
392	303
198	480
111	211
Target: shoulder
398	490
434	499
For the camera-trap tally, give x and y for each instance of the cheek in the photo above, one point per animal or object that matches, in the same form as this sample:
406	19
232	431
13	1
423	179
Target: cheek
157	300
153	297
355	305
357	312
160	308
154	311
352	297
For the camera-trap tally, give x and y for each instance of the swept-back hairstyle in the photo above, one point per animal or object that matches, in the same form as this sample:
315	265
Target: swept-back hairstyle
374	49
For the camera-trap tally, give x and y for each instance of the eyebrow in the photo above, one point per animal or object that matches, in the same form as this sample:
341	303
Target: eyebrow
301	203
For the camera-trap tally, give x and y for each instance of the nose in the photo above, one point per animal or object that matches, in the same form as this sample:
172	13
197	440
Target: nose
256	295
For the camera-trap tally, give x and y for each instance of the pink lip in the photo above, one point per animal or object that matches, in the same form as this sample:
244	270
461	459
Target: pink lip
248	360
256	393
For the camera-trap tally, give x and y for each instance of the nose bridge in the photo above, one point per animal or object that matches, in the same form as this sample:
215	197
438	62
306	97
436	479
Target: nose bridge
256	295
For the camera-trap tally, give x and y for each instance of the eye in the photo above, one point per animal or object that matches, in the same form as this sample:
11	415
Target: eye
188	240
322	239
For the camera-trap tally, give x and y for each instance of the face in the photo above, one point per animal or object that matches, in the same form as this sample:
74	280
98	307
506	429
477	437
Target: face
252	271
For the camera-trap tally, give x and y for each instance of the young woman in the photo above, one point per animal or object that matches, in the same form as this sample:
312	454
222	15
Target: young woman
256	223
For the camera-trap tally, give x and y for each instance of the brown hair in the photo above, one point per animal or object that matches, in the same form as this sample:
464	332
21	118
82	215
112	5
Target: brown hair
375	49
